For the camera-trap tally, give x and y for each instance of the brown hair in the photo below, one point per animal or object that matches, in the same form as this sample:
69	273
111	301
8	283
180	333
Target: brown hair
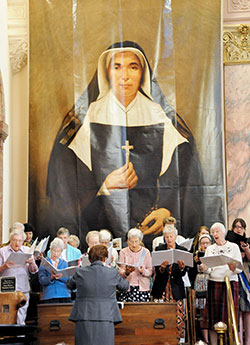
203	227
241	221
169	220
98	253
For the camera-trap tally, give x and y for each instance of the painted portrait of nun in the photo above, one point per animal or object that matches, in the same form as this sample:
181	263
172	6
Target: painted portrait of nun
123	158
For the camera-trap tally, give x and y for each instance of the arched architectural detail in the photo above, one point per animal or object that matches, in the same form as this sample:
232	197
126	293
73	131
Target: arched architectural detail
18	33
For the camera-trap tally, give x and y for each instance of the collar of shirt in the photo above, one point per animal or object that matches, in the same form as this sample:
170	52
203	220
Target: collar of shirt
12	250
55	263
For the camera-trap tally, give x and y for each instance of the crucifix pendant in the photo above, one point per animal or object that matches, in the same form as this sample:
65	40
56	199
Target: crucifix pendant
127	148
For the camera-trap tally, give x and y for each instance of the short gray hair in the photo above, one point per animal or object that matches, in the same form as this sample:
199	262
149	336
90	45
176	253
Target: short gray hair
57	243
105	235
134	232
90	233
62	231
16	225
18	232
170	228
218	226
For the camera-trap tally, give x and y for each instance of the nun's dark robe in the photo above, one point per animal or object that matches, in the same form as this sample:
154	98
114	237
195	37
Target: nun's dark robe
73	189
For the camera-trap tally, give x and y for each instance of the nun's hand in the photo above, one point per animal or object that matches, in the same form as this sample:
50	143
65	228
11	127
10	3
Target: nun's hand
122	178
153	223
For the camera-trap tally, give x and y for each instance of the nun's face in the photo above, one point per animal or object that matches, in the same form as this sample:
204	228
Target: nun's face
124	73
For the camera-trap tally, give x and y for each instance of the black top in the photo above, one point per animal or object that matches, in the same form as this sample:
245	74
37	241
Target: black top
176	281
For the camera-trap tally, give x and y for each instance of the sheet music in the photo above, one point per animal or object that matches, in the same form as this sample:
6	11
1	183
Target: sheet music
172	255
140	261
187	243
110	247
32	248
19	258
85	261
219	260
66	272
73	262
41	247
126	264
45	243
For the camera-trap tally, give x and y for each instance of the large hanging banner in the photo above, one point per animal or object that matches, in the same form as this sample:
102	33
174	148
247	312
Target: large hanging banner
125	116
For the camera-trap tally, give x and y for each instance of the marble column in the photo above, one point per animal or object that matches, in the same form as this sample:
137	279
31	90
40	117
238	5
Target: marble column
236	41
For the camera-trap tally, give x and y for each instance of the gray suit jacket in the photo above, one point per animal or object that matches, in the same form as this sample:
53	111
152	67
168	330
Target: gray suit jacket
96	293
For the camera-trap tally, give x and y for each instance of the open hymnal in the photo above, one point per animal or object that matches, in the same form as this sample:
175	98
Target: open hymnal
66	272
123	263
187	243
139	263
41	247
20	258
218	260
172	256
73	262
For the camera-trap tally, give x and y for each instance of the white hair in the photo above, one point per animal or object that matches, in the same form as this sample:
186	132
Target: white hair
91	233
170	228
19	233
135	233
105	235
57	243
16	225
219	226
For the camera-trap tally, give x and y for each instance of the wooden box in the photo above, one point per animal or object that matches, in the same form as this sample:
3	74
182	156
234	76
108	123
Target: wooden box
137	327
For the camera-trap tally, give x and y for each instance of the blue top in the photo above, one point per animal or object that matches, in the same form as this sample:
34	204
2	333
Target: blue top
55	288
72	253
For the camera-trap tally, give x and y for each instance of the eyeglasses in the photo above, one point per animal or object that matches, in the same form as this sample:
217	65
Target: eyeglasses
239	227
204	243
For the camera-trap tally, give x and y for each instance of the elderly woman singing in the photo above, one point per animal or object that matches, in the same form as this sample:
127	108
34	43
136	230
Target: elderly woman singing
216	306
54	288
168	283
137	268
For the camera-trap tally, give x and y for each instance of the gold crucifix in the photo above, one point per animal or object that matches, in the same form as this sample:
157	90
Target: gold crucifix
127	147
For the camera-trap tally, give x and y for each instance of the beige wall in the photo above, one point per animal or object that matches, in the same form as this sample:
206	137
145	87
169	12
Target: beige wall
14	26
5	71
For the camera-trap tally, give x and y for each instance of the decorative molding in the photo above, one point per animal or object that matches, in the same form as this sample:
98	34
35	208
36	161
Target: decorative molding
236	11
18	33
18	55
236	44
239	5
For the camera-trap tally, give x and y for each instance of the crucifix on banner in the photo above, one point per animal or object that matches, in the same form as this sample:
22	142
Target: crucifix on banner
127	148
